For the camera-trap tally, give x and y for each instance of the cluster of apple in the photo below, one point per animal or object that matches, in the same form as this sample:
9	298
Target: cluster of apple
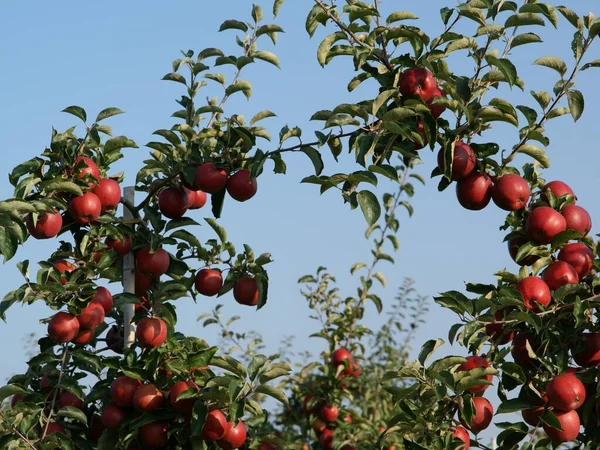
209	282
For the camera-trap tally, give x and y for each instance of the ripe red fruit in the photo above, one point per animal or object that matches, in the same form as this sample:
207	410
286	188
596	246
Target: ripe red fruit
144	304
534	290
318	425
209	178
114	339
103	298
109	193
578	255
122	390
436	109
532	415
590	355
85	209
519	350
112	416
329	413
91	316
143	283
121	246
63	327
462	434
151	332
96	428
565	392
84	337
577	218
326	439
570	424
418	81
54	427
209	282
473	362
482	417
234	438
186	405
196	199
558	189
152	264
463	162
16	398
560	273
241	187
245	291
64	267
305	405
421	131
215	427
173	202
47	226
511	192
347	418
513	249
341	356
85	166
147	398
496	330
68	399
475	191
154	434
544	223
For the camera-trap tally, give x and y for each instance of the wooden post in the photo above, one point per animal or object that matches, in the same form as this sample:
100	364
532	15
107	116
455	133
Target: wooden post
128	276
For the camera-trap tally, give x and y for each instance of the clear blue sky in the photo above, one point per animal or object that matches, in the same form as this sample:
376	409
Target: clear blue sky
59	54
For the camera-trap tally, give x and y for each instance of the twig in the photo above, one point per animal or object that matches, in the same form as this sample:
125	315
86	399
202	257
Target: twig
56	388
17	432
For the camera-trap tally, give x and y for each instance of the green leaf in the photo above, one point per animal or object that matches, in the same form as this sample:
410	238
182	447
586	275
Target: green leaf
525	38
536	153
576	103
325	46
591	64
369	204
274	392
233	25
315	158
276	6
76	111
552	62
174	76
505	66
108	112
257	13
60	186
521	19
218	229
241	85
428	348
382	99
400	15
262	115
268	57
571	16
72	413
119	142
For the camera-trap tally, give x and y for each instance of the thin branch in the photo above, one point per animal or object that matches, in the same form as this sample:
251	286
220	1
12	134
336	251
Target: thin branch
63	364
17	432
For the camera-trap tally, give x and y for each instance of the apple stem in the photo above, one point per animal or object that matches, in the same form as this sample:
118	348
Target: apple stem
128	275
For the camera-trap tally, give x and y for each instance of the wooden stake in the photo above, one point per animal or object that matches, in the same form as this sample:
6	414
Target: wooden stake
128	277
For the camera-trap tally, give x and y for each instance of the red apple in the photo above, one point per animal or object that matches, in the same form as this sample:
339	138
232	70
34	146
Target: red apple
114	339
122	390
421	131
47	226
544	223
241	187
341	356
532	415
85	166
570	424
418	81
103	298
559	273
496	330
96	428
84	337
151	332
173	202
436	109
565	392
473	362
91	316
68	399
329	413
462	434
234	438
482	417
143	283
318	425
578	255
590	355
147	398
64	267
511	192
85	209
152	264
577	218
154	434
16	398
326	439
534	290
463	162
209	282
209	178
196	199
558	189
514	244
215	426
121	246
53	428
112	416
109	193
245	291
519	350
63	327
474	192
185	405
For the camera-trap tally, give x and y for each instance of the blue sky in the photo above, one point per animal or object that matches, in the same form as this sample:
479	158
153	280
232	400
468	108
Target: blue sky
75	53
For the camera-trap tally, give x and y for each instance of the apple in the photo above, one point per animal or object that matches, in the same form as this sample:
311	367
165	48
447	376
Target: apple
122	390
16	398
186	405
590	355
519	350
209	178
421	131
532	415
109	193
514	244
196	199
318	425
215	426
565	392
475	191
305	405
53	428
144	304
558	274
68	399
112	416
63	327
347	418
152	264
511	192
544	223
85	209
463	161
578	255
496	330
570	424
329	413
436	109
143	283
245	291
534	290
96	428
418	81
234	438
84	337
103	298
473	362
173	202
241	186
577	218
154	434
463	435
209	282
482	417
91	316
85	166
151	332
341	356
114	339
47	226
326	439
147	398
63	268
121	246
558	189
